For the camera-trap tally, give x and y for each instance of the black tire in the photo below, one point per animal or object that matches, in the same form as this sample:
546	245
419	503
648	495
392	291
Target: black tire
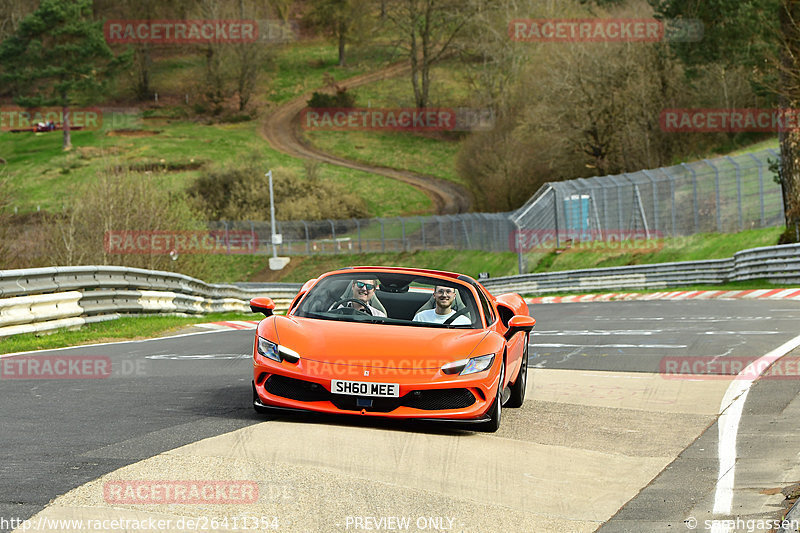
257	408
495	412
518	388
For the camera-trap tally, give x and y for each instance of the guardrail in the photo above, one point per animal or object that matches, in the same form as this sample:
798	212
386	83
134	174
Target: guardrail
778	264
44	299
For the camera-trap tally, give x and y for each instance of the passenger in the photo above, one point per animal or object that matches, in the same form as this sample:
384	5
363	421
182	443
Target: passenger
444	298
363	290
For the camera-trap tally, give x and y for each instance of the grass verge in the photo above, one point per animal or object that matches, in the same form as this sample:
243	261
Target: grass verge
691	248
126	328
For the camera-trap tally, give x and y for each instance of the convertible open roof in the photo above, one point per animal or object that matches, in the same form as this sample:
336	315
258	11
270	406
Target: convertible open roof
452	275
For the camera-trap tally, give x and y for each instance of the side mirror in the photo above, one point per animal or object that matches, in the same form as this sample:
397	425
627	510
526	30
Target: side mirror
519	323
262	305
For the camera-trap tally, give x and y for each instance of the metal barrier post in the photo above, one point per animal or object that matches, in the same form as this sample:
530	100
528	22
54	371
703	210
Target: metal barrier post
694	197
519	239
308	239
655	200
738	190
672	196
716	187
619	202
227	239
555	216
760	188
782	202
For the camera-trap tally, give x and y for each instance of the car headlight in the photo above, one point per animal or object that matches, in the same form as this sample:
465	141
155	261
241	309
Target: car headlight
276	352
469	366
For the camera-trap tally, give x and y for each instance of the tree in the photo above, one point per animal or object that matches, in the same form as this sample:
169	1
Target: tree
57	56
340	19
248	63
282	8
493	62
11	13
429	29
143	60
233	67
764	36
217	65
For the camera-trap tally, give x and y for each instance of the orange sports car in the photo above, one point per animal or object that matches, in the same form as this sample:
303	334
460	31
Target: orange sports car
394	342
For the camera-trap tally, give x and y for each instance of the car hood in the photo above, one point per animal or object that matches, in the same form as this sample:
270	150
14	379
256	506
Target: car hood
380	345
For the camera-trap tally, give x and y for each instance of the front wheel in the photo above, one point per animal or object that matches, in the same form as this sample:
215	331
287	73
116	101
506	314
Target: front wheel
495	412
518	388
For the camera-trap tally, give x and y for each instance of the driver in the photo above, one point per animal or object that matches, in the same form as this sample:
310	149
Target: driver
363	290
444	298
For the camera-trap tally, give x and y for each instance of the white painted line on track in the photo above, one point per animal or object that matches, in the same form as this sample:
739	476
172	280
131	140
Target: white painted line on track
742	332
728	423
577	333
668	346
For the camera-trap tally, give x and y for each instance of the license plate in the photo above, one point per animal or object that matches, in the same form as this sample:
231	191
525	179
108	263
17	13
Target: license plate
361	388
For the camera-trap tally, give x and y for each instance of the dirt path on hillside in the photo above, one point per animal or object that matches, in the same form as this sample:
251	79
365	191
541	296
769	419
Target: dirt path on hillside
281	129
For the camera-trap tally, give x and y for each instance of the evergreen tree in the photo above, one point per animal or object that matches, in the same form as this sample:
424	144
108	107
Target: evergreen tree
58	57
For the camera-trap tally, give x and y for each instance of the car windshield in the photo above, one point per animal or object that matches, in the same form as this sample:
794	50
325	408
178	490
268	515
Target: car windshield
391	298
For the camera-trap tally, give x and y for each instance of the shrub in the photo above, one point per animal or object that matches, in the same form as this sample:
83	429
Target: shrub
340	99
121	201
242	193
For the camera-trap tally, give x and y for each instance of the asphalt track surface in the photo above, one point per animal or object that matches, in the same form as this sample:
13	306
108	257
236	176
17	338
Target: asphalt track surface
605	440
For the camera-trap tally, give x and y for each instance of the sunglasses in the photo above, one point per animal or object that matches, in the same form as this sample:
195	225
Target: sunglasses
361	285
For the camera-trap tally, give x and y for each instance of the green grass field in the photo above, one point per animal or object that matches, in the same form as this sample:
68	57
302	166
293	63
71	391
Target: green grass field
43	176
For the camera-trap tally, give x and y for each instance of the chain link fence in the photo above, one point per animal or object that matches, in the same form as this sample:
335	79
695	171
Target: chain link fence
471	231
722	195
